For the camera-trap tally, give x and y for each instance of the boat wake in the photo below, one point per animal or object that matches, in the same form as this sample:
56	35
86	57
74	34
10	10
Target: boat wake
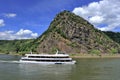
3	61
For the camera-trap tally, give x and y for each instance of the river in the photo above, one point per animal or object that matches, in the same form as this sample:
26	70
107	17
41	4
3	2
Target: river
85	69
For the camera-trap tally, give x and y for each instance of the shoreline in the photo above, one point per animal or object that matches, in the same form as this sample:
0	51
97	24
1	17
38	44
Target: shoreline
96	56
84	55
10	54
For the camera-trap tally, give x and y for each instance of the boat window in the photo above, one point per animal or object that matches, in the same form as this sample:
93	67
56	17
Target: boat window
47	60
48	57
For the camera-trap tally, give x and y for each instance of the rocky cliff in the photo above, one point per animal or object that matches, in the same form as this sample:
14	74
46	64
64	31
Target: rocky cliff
73	34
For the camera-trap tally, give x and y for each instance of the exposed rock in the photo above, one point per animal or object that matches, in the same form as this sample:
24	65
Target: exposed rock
73	34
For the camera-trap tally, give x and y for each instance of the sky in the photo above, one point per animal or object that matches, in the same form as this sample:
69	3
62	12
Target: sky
28	19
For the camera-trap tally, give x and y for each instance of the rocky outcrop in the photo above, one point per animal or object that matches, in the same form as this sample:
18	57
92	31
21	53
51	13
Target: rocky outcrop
73	34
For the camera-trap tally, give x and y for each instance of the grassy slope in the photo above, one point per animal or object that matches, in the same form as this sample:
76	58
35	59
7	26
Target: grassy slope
16	46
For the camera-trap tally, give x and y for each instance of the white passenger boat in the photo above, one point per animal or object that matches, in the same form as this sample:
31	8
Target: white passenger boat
58	58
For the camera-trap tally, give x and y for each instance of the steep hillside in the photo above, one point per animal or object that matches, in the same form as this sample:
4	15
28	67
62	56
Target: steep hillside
68	33
115	36
72	34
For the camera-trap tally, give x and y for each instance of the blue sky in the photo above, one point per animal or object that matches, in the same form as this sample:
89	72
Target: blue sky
24	19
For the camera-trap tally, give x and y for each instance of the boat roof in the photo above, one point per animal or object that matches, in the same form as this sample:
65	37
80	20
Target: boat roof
46	54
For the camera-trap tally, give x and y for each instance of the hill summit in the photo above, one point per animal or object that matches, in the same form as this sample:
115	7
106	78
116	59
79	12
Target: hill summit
73	34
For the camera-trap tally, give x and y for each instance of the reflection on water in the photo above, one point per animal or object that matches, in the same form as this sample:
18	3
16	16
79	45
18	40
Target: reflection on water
85	69
46	72
97	69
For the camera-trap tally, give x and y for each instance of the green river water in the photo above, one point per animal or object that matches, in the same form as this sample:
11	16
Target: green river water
85	69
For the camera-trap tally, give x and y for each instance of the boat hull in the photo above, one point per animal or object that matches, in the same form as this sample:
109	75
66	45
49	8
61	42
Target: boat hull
72	62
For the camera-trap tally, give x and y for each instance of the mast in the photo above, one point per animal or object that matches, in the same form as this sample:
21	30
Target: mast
57	52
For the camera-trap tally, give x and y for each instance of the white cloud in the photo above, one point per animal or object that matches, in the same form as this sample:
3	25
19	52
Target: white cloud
10	15
96	19
102	12
21	34
6	35
34	35
26	34
2	22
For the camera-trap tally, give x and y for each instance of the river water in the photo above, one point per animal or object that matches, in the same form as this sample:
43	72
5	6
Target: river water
85	69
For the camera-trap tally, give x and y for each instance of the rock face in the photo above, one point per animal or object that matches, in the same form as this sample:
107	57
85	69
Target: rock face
72	34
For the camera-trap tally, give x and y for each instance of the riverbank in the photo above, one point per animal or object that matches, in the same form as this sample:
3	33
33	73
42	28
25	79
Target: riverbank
95	56
81	55
14	53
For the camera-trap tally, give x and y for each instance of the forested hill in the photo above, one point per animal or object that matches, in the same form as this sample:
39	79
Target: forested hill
113	35
16	46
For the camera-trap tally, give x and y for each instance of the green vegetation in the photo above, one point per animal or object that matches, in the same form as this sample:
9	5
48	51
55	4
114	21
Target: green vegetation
17	46
96	52
115	36
113	51
73	44
59	31
80	34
